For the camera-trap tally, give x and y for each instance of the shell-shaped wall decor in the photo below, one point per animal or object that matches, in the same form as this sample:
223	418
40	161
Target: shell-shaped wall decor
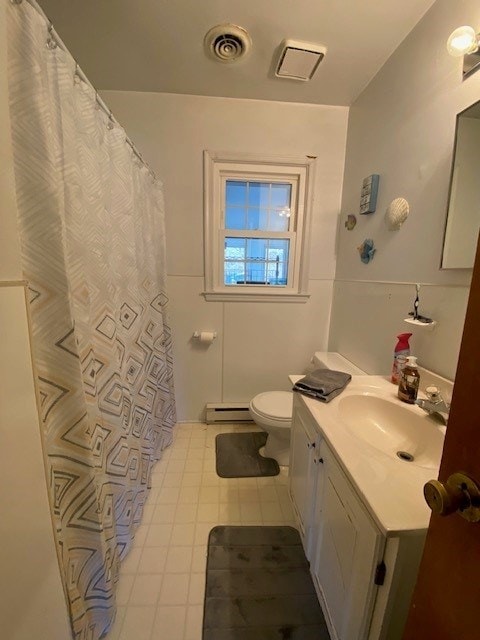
366	250
397	213
350	222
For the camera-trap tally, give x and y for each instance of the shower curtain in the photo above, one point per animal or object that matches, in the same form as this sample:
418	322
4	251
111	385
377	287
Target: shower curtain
91	222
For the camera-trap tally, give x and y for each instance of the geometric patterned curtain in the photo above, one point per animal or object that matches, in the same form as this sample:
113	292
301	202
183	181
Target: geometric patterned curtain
91	222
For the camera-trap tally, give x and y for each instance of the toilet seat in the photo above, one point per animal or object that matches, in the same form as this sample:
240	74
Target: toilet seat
275	406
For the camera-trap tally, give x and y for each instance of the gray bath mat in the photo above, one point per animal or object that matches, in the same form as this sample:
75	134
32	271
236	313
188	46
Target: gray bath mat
237	456
259	586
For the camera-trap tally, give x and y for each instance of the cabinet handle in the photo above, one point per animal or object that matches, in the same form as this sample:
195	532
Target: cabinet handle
380	573
310	445
320	460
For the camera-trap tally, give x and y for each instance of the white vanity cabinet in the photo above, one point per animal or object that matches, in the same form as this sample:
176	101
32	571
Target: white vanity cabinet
364	577
347	553
304	447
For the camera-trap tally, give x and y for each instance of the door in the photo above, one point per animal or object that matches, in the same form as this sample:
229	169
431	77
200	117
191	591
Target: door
446	600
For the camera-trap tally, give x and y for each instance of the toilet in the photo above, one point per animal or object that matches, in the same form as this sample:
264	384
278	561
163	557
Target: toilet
272	410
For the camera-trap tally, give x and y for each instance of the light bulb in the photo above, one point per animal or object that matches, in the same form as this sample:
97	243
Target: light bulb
462	41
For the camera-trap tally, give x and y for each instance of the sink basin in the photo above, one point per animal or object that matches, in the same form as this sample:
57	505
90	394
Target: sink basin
397	431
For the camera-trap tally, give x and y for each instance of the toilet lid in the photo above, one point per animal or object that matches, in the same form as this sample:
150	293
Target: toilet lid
276	404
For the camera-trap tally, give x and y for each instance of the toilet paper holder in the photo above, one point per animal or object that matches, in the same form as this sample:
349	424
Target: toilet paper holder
205	337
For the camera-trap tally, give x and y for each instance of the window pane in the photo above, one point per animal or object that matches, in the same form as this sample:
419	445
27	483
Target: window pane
279	220
277	272
235	218
257	248
280	195
234	272
259	261
258	194
278	248
255	272
277	265
260	206
257	219
253	218
236	193
235	248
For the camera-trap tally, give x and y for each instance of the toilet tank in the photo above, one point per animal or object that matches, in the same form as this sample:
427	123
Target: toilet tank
335	361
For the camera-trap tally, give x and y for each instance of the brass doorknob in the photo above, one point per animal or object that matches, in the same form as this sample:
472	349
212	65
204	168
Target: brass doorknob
459	493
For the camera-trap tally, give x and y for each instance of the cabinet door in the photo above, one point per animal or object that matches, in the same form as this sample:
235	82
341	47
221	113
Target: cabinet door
316	528
348	550
302	468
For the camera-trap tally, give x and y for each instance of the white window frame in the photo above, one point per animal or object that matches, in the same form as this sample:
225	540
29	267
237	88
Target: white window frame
218	168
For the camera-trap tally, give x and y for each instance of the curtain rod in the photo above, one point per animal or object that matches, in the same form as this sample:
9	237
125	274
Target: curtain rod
81	74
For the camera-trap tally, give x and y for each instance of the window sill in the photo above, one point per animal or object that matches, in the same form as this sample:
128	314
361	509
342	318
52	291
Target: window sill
261	296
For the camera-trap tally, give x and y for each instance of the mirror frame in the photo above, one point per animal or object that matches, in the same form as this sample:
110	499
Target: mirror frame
450	186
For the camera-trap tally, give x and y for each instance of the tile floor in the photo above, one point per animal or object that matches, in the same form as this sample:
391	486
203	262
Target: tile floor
161	589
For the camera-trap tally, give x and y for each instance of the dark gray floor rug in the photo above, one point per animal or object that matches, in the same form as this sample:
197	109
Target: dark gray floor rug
259	587
237	455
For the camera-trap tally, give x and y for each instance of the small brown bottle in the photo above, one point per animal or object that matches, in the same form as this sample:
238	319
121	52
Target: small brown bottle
409	381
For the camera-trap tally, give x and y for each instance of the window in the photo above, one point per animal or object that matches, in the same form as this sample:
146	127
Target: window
255	220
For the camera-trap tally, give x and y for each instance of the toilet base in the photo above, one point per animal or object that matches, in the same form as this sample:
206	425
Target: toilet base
272	411
278	449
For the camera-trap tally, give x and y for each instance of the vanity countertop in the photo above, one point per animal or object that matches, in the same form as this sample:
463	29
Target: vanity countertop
391	488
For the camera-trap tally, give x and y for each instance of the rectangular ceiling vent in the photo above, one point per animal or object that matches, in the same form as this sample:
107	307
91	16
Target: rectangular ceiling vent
299	60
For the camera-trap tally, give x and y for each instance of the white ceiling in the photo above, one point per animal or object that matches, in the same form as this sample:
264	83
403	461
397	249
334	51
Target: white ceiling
157	45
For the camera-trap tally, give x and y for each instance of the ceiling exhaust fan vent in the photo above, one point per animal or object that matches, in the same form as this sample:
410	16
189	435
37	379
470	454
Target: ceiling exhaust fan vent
227	43
299	60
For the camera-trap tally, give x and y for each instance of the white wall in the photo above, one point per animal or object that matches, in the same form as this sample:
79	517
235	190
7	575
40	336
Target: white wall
402	127
10	268
258	343
32	603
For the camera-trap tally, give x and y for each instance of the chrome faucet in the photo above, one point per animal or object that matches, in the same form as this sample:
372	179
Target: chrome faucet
434	405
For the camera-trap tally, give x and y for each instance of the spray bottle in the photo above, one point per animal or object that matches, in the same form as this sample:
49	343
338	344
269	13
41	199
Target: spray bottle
402	351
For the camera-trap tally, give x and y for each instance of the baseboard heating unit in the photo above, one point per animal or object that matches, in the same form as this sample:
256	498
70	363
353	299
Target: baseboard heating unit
227	412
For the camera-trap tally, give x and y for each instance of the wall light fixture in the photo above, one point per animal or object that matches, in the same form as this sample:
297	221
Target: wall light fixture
465	41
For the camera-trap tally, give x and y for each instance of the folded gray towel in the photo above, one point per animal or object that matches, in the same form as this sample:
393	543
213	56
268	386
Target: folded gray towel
323	384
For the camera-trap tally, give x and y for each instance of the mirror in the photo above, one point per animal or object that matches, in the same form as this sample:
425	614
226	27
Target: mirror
463	214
